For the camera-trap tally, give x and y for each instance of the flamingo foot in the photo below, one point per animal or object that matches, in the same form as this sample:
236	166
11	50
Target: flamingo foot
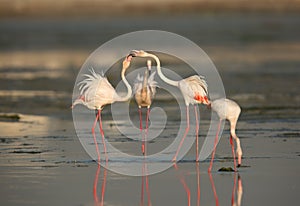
174	159
143	149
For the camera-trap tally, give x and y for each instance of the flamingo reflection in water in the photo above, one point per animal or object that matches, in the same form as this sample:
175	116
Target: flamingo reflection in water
99	201
185	186
236	190
239	191
145	179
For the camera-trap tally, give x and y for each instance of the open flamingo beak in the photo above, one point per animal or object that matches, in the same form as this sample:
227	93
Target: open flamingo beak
135	53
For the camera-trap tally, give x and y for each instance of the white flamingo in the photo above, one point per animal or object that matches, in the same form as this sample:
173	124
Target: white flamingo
96	92
230	110
144	89
193	89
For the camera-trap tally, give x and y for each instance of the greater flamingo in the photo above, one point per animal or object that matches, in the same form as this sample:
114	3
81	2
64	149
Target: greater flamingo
193	89
96	92
144	89
230	110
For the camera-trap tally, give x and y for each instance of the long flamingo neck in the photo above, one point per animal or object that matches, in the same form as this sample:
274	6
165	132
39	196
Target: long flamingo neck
160	74
145	80
232	128
129	90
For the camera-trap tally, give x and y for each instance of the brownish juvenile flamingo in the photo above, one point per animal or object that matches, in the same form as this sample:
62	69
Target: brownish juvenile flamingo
144	89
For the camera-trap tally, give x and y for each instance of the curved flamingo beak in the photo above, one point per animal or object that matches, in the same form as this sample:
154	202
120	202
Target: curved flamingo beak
128	58
239	160
140	53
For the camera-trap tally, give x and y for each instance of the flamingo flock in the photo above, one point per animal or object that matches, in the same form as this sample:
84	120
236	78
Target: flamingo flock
96	92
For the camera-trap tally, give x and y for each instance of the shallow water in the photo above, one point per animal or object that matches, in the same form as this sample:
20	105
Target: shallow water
43	163
53	169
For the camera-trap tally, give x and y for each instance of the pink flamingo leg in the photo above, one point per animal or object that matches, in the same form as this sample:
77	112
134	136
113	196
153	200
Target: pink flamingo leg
141	130
146	132
214	150
232	151
185	134
214	189
94	135
197	133
102	134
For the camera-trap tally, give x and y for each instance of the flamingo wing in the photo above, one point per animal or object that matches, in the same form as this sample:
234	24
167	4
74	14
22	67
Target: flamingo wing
97	90
138	83
194	89
152	84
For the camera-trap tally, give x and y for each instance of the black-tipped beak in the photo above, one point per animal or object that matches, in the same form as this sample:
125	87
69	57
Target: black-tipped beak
130	55
133	53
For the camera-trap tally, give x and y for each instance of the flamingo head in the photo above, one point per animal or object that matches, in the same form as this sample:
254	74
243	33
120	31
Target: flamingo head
138	53
126	62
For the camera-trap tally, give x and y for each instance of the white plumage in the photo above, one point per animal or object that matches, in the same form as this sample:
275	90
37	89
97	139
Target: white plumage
194	90
96	91
229	110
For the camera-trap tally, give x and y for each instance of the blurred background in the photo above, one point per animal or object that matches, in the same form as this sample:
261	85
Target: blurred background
254	44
